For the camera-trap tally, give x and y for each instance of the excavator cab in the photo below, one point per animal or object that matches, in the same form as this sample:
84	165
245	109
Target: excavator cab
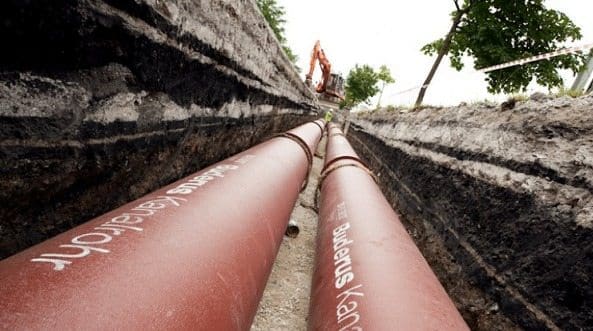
335	86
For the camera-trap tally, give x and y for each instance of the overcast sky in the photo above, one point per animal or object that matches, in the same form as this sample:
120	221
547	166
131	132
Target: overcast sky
380	32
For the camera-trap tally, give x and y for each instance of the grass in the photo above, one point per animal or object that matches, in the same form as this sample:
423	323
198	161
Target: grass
519	97
564	92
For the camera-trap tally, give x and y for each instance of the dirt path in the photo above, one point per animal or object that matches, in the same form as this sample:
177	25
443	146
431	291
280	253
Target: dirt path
285	302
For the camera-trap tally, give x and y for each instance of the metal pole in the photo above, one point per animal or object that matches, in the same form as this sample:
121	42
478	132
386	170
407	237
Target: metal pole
195	254
369	274
584	79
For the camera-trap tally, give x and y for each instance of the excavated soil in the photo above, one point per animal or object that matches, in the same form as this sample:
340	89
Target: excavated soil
500	203
103	101
74	147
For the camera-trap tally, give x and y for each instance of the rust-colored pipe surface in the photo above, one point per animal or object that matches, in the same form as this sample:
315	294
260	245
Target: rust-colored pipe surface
194	255
369	275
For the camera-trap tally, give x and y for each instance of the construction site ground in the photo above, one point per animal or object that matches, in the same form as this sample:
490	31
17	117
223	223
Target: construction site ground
285	302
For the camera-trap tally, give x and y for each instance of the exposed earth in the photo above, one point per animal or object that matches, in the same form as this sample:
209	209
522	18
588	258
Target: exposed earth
499	201
132	95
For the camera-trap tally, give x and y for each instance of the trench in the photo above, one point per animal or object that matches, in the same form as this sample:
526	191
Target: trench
121	103
285	302
508	260
102	102
63	187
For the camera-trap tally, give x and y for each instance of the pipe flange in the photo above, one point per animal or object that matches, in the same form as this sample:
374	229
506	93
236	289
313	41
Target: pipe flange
343	157
320	127
305	148
329	170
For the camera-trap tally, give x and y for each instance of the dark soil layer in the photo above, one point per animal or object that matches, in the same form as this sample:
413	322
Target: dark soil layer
103	101
48	190
505	242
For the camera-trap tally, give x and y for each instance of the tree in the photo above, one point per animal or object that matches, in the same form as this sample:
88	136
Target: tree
498	31
274	15
291	56
361	85
384	76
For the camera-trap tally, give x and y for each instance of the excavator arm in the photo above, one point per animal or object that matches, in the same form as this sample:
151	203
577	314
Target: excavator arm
324	64
331	84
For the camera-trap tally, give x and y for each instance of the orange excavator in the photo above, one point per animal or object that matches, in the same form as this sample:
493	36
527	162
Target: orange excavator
331	85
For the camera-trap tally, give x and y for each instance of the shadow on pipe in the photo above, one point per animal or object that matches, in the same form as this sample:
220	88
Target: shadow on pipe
195	254
369	274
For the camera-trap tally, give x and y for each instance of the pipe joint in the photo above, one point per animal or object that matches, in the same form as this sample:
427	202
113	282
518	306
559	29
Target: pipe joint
305	148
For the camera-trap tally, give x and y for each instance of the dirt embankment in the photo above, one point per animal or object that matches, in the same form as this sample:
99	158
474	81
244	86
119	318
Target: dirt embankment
103	101
500	202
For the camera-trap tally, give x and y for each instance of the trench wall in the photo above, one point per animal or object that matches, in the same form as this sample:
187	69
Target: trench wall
102	101
500	203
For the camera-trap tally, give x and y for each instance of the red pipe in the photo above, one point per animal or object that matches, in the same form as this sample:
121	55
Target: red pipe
195	254
368	272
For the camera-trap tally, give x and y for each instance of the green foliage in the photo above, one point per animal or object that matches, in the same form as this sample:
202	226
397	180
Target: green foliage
565	92
291	56
520	97
361	85
274	15
384	75
433	47
498	31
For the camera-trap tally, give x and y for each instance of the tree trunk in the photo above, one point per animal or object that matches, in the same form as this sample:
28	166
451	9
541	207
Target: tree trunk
444	50
380	96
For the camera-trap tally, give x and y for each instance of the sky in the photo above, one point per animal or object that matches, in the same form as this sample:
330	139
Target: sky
378	32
